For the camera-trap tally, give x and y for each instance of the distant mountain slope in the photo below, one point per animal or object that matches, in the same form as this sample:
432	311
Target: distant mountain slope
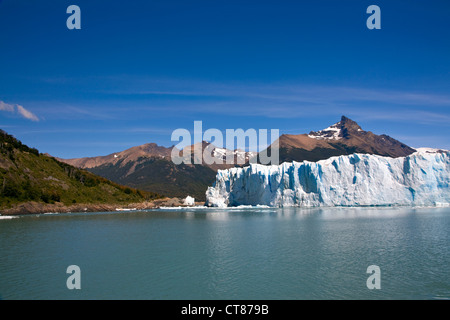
26	175
148	150
343	138
159	175
154	151
150	167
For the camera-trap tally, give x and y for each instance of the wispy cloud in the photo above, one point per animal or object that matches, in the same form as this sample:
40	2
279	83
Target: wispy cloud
127	95
6	107
18	109
276	100
135	85
26	114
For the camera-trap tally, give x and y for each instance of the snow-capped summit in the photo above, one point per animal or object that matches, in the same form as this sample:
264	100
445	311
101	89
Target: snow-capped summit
336	131
342	138
332	132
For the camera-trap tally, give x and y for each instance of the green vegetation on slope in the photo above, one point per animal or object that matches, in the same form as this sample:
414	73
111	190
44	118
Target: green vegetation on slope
160	175
26	175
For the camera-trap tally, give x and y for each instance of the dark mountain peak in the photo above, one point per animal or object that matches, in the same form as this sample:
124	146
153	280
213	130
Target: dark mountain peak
201	145
154	148
349	124
206	143
342	138
342	129
151	145
349	127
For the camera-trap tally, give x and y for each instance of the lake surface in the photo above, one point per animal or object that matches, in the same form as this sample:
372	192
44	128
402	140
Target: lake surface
240	253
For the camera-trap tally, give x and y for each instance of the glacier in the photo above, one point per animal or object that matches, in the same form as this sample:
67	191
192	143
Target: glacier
420	179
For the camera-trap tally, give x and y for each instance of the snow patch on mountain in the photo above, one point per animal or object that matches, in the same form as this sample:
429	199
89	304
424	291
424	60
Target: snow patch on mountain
240	155
331	133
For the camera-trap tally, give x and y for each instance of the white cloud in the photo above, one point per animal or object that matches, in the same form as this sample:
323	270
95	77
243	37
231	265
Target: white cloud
6	107
26	114
19	109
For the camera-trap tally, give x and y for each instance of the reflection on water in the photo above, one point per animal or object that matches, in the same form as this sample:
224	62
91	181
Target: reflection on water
238	253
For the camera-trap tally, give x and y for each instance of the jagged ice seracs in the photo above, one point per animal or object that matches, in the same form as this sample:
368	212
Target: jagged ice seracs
420	179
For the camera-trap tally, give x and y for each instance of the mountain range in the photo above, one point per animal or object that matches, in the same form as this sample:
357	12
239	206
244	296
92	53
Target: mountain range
149	166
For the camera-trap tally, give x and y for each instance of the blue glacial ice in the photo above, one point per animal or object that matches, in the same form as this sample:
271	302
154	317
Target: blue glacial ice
421	179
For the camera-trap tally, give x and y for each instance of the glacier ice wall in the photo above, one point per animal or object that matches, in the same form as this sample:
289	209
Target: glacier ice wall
422	178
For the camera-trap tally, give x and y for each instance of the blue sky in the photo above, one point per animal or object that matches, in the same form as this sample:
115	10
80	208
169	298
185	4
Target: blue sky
137	70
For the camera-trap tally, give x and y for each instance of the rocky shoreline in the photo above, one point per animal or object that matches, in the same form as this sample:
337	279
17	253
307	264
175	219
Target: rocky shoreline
39	208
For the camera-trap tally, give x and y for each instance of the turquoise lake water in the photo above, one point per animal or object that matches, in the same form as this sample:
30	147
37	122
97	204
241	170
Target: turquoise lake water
240	253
